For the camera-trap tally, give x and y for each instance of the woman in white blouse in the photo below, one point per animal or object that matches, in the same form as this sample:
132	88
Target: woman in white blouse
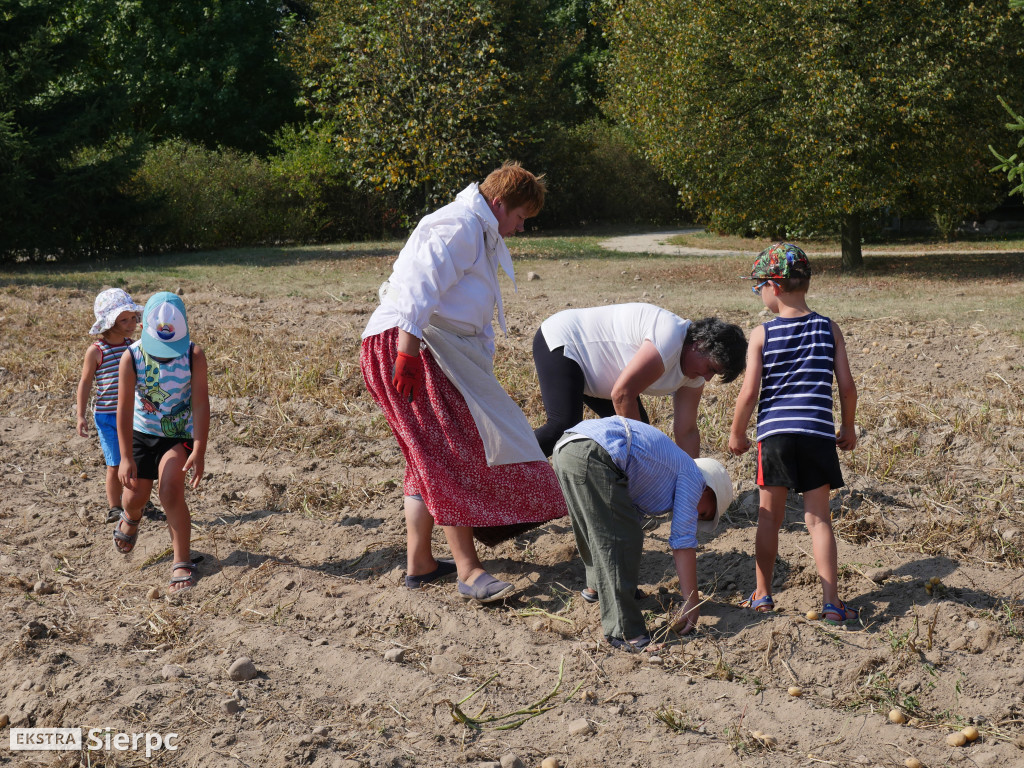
472	462
606	357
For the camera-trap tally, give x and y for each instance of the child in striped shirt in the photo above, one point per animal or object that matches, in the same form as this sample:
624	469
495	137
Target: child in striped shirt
116	318
791	361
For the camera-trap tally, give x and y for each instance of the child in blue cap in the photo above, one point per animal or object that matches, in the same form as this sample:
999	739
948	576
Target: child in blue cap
791	361
163	422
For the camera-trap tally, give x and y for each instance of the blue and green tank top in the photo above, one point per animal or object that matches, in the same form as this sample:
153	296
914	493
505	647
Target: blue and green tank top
163	394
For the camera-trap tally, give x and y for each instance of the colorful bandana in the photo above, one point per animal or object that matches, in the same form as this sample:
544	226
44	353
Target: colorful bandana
781	260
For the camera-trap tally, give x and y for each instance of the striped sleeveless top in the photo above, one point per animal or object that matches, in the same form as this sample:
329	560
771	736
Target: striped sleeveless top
798	363
163	394
106	375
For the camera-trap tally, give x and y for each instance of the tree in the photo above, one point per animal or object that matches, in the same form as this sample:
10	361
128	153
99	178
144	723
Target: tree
418	95
580	24
208	72
61	162
1013	166
780	116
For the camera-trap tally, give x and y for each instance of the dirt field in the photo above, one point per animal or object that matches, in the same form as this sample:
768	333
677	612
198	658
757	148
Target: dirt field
299	527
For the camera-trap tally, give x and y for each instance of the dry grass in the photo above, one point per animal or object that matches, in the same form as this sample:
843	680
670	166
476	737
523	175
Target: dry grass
281	329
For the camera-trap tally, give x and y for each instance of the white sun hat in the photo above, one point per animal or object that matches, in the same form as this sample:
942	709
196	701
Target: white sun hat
717	478
108	306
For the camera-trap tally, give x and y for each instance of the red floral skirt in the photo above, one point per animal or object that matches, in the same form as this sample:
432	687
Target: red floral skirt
445	461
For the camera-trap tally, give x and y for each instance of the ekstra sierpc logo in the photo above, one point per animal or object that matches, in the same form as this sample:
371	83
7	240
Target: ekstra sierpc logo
65	739
46	739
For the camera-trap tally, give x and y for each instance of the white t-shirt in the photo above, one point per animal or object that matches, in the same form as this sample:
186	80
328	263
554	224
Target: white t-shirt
602	340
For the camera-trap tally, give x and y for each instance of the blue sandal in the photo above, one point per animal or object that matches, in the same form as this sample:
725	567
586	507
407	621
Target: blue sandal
633	646
761	605
842	614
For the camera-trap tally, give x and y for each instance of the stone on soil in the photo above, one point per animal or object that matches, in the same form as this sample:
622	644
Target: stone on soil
580	727
230	706
171	671
242	669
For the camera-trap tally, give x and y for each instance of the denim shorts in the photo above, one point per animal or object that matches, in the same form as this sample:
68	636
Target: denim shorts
106	428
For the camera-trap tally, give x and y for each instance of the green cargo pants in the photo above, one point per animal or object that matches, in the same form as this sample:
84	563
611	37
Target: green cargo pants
607	529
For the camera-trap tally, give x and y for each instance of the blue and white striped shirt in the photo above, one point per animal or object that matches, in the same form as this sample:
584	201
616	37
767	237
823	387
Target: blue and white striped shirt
798	364
661	476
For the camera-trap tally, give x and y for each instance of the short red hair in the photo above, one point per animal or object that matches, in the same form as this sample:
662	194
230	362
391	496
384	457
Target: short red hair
515	186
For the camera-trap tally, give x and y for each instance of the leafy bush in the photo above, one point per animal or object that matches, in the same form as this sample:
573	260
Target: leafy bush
327	202
199	198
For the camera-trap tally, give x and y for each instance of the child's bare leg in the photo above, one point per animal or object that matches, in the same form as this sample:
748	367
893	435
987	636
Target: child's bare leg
114	488
133	500
172	499
770	515
419	524
460	541
823	541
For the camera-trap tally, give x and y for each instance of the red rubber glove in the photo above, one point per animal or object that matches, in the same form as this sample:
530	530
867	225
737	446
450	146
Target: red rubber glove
408	375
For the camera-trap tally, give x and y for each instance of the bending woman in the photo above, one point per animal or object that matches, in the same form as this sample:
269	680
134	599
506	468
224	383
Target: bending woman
472	461
606	357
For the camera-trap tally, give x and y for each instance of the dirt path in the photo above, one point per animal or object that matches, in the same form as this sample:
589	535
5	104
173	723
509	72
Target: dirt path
655	242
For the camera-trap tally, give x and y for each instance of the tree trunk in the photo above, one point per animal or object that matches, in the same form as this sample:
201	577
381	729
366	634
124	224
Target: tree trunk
853	257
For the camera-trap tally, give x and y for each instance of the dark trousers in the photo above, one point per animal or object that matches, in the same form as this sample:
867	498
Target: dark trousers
561	388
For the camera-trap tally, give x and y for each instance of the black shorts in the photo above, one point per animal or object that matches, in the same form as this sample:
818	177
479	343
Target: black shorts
148	450
800	462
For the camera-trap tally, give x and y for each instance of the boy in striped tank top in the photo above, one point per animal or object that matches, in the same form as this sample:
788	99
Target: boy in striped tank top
791	361
116	318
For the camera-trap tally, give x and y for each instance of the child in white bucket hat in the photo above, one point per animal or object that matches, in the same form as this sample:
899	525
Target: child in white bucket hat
116	319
